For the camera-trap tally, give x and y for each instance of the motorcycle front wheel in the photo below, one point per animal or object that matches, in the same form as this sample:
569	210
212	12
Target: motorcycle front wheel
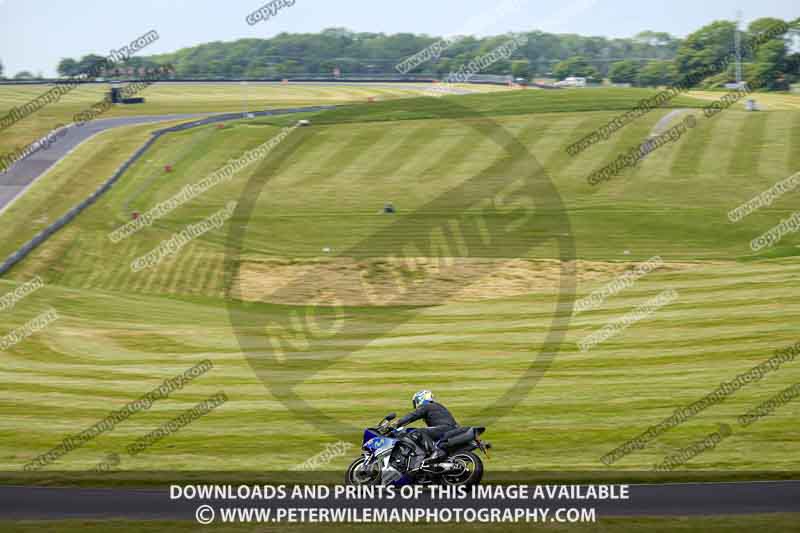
358	475
470	471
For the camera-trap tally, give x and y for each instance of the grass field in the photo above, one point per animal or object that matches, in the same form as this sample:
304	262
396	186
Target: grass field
766	101
166	98
121	333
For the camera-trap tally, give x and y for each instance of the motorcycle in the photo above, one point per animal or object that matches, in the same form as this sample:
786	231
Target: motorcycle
398	456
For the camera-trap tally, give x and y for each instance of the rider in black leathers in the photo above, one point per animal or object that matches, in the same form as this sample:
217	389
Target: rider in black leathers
436	416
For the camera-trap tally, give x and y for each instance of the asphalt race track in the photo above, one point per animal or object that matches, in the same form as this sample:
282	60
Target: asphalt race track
23	173
671	499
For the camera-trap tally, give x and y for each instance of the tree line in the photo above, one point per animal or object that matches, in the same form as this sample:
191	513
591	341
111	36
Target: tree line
647	59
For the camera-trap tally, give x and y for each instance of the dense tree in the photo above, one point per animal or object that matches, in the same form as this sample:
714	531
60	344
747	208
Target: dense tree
657	73
793	65
658	40
1	69
24	75
707	56
575	66
92	65
520	68
770	67
706	52
68	67
544	54
765	26
378	53
624	71
96	66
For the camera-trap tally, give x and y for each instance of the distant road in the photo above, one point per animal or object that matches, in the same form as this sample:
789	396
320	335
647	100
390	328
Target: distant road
383	85
23	173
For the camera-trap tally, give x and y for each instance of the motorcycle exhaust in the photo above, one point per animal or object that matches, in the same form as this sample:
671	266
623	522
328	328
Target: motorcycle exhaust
439	468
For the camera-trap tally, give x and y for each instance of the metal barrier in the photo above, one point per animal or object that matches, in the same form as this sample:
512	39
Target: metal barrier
65	219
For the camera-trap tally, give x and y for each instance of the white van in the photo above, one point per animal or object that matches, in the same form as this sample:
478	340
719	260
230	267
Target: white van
571	82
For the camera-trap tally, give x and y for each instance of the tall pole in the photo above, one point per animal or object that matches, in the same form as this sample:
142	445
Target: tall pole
738	45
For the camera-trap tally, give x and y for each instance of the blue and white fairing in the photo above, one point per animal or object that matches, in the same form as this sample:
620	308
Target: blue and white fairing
374	443
379	448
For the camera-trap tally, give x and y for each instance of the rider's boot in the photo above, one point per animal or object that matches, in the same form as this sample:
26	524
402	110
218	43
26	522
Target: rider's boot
437	455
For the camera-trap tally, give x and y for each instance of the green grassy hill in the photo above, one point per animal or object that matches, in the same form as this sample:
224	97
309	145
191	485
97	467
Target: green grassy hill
123	332
164	98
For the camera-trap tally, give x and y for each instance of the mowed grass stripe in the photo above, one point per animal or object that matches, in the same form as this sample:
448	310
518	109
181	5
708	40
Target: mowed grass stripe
175	271
372	157
118	267
196	273
481	150
793	144
165	98
98	276
318	165
204	274
532	162
721	320
730	316
182	276
772	158
549	149
748	146
167	269
175	152
719	325
216	276
449	159
148	188
151	275
726	128
575	379
413	147
688	160
576	166
658	164
92	268
711	276
315	149
359	153
617	188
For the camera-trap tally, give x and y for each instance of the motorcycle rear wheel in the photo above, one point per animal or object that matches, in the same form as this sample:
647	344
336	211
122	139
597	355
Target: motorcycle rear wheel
470	474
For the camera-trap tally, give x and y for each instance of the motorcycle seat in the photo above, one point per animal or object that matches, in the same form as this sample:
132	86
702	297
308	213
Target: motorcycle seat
459	437
454	432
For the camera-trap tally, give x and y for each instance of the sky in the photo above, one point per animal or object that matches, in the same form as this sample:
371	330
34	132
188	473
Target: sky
36	34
